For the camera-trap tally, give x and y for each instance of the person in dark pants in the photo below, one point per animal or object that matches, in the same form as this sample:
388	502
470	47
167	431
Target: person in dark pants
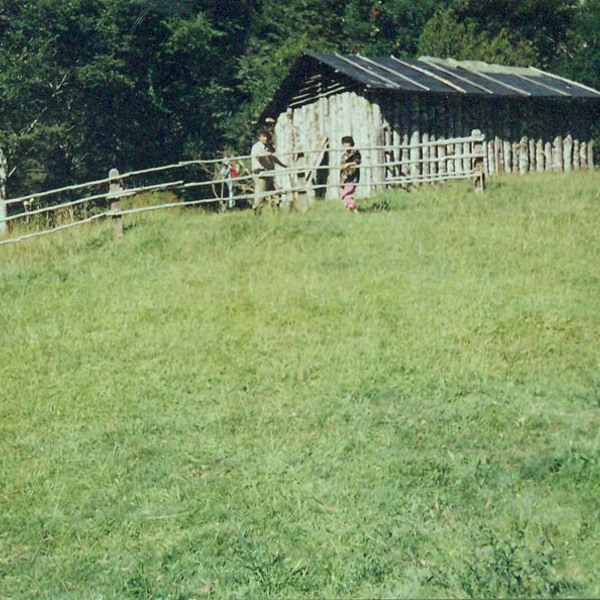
263	161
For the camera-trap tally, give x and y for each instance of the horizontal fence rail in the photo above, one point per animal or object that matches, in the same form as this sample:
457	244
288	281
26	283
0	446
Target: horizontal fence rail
209	182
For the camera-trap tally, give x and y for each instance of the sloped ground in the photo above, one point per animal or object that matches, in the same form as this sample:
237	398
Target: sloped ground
400	404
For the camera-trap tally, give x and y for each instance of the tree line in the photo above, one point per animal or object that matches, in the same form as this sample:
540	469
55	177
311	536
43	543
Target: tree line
90	84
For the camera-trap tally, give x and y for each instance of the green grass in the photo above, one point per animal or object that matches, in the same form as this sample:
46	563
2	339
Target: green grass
400	404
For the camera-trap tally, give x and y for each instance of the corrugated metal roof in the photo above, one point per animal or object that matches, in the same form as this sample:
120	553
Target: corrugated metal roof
450	76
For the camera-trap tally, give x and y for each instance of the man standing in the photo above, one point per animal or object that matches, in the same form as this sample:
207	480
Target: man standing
263	162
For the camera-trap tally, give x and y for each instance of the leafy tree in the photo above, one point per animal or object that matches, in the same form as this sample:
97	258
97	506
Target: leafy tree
91	84
446	35
543	24
278	34
383	27
519	32
580	56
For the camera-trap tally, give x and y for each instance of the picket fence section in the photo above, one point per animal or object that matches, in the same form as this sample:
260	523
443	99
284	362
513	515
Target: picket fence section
211	183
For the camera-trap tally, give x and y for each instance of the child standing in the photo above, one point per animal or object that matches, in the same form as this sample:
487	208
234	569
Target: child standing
349	172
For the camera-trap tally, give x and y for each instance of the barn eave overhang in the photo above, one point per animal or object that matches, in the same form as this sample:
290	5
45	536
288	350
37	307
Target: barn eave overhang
429	76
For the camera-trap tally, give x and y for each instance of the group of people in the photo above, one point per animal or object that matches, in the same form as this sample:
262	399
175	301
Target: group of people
263	161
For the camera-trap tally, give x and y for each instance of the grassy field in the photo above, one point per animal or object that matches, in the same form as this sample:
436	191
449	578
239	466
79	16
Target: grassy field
404	403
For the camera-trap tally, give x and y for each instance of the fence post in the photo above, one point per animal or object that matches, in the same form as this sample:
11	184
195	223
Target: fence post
478	160
115	187
3	178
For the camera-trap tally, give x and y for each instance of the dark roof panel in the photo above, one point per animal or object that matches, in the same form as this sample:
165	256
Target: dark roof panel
566	87
486	85
451	80
345	65
414	73
449	76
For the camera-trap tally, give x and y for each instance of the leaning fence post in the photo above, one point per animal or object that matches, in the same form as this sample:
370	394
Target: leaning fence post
3	177
478	160
115	187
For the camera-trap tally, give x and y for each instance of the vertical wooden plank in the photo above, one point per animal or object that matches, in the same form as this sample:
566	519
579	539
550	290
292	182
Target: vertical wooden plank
523	156
442	163
548	155
468	125
425	135
433	156
3	209
590	154
557	154
397	135
341	129
507	152
539	155
499	154
115	188
583	155
458	131
438	116
362	125
415	135
406	118
377	156
451	133
532	155
478	162
576	159
489	153
425	170
567	153
516	156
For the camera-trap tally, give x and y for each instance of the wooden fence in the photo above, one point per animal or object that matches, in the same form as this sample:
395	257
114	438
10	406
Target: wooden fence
203	182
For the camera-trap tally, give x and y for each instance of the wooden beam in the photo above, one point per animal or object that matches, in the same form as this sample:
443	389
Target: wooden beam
3	178
429	74
395	73
489	78
456	75
361	68
567	81
544	85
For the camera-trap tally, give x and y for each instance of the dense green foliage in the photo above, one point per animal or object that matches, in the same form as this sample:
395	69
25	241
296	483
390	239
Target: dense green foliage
90	84
402	404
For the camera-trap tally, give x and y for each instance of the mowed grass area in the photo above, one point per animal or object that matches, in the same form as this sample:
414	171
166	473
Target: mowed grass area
403	403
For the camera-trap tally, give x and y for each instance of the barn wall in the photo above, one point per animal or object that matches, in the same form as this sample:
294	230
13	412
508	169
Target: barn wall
304	129
522	134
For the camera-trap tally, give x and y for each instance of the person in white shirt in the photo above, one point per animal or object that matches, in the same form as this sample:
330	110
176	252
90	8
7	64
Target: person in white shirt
263	162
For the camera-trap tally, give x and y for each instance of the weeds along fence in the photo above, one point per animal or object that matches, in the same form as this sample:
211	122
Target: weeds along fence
225	183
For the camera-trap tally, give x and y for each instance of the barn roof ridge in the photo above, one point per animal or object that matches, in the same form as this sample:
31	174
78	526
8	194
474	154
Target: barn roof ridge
479	65
449	76
307	81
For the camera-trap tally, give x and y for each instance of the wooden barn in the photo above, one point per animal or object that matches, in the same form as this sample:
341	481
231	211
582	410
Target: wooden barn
399	111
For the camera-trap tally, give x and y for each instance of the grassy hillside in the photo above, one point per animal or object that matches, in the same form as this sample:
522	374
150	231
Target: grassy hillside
399	404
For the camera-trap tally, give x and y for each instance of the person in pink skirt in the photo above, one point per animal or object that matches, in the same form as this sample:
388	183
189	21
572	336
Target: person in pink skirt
349	172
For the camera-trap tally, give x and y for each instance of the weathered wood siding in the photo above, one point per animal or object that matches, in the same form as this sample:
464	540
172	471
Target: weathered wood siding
521	134
331	117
